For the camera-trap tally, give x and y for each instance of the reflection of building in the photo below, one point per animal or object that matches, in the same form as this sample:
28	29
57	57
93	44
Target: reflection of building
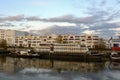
59	65
78	66
2	62
12	65
30	63
9	36
7	64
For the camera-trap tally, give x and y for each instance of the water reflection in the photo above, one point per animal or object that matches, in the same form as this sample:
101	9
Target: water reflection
15	64
37	69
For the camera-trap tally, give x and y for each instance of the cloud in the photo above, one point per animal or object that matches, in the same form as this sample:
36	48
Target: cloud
66	18
89	31
102	26
101	17
12	18
96	23
6	25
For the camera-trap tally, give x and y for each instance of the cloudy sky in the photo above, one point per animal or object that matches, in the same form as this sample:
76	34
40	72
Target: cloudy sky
100	17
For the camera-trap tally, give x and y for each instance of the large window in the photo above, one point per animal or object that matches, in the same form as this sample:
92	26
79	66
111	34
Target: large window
116	45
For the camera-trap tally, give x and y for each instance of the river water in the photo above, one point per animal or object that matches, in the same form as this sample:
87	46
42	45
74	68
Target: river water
40	69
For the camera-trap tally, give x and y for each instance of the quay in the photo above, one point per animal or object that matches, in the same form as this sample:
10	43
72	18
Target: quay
91	55
97	57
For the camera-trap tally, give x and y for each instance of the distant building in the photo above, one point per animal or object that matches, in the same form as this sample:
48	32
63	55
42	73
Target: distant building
10	35
61	43
90	41
35	41
115	43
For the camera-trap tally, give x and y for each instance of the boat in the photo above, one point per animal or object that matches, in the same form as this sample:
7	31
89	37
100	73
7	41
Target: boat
115	57
62	48
94	53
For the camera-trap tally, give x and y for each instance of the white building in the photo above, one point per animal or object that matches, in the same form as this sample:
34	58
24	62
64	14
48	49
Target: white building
115	43
10	35
35	41
90	41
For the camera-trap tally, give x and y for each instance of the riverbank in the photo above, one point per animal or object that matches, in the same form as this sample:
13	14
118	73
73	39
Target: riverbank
65	56
100	56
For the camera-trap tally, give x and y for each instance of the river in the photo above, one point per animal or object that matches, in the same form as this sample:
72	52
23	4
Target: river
40	69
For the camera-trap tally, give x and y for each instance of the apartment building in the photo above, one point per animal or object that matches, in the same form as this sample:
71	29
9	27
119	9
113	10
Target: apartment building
35	41
10	35
70	39
90	41
85	40
69	43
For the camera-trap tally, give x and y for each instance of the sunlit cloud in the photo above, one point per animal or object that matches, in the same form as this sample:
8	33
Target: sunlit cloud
89	32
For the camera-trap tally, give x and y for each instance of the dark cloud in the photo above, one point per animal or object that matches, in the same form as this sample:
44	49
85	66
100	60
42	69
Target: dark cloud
33	18
59	30
12	18
105	26
67	18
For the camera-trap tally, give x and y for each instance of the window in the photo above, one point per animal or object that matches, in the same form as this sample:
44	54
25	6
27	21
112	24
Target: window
50	37
83	40
33	44
116	45
71	36
34	41
89	36
2	31
20	41
38	41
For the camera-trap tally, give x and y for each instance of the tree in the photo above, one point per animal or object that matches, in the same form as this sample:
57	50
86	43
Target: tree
3	43
102	44
59	39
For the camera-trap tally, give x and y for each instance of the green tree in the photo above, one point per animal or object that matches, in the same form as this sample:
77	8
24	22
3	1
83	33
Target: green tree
102	44
59	39
3	43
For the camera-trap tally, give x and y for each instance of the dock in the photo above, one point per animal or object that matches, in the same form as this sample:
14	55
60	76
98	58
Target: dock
64	56
71	56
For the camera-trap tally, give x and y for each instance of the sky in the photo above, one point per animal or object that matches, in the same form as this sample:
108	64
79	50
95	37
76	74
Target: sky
100	17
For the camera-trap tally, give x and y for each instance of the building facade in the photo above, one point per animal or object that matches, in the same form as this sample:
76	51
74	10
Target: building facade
115	44
35	41
10	35
90	41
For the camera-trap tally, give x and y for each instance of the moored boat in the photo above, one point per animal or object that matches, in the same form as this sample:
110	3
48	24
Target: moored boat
115	57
